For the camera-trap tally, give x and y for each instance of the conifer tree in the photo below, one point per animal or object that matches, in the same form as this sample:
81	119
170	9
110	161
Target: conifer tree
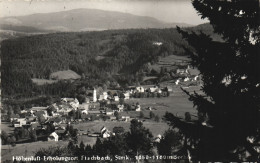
227	128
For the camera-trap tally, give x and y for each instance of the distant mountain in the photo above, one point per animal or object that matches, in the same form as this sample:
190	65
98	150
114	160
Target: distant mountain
81	20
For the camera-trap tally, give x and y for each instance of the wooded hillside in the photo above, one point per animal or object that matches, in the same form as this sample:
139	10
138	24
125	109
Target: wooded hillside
93	55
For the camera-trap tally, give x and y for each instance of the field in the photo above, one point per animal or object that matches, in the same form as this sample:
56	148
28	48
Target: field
6	127
65	75
169	62
26	149
43	81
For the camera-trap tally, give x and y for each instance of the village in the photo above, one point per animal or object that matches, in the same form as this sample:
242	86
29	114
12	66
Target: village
111	105
70	120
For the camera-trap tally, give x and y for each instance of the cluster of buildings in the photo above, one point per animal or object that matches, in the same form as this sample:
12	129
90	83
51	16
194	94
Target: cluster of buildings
187	75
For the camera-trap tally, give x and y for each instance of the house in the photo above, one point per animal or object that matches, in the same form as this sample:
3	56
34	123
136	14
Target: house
177	81
120	108
24	111
157	43
22	121
17	124
74	103
35	109
168	89
41	113
84	106
181	71
53	137
109	111
94	106
113	118
137	107
186	79
93	112
14	117
105	133
139	89
127	95
158	138
116	98
87	100
56	121
84	112
196	78
103	96
153	89
126	118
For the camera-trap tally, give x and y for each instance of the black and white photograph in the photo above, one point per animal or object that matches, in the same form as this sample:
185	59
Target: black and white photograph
129	81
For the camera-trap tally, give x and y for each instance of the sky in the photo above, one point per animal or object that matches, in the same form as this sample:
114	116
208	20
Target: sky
178	11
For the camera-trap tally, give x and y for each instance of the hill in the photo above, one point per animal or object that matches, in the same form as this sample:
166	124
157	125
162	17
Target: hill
81	20
100	57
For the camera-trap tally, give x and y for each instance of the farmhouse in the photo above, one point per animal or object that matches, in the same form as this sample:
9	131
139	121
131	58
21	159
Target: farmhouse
126	118
53	137
105	133
84	106
137	107
34	109
168	89
109	111
158	138
127	95
74	103
41	113
139	89
120	108
116	98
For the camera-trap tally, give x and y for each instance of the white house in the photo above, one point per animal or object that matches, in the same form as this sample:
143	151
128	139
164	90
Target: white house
116	98
73	102
139	89
177	81
105	133
186	79
158	138
84	112
126	118
157	43
53	137
120	107
138	107
109	111
127	95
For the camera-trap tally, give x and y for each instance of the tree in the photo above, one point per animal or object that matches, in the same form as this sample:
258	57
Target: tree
187	116
152	115
157	118
53	151
40	119
230	76
116	114
4	137
139	139
118	130
121	101
169	143
141	115
33	135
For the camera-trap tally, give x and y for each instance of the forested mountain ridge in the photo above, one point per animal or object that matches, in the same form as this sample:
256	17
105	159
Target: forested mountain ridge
98	56
82	20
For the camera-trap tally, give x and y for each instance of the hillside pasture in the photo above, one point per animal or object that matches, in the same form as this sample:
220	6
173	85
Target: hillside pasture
65	75
169	62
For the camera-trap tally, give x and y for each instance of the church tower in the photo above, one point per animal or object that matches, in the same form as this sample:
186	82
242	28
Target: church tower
94	95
